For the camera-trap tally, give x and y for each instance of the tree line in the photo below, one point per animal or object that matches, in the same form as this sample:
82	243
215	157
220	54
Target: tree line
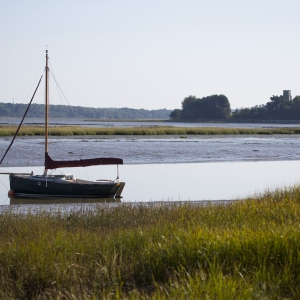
213	107
217	107
277	108
64	111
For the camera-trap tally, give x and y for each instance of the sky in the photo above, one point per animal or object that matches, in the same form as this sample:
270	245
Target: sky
150	54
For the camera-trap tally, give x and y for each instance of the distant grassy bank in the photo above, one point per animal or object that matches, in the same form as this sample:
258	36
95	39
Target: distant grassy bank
244	250
127	120
155	130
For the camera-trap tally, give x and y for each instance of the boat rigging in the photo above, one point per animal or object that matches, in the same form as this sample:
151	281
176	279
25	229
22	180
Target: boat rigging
66	185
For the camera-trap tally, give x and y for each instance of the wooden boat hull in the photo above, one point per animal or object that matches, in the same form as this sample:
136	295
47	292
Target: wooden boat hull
58	186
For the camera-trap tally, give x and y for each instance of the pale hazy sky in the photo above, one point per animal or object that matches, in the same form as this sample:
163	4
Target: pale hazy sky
151	54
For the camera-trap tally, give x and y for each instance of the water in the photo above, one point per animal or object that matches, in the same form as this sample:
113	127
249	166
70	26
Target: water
169	168
182	182
29	151
91	123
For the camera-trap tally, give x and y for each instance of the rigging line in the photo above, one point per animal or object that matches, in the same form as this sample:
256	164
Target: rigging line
5	200
86	174
57	83
59	171
59	92
4	185
49	108
60	97
21	121
64	95
37	74
61	89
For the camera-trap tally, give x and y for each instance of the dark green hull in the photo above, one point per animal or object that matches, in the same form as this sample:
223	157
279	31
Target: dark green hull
57	186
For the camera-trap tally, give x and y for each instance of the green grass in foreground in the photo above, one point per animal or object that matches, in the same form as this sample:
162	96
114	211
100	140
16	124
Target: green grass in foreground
156	130
246	250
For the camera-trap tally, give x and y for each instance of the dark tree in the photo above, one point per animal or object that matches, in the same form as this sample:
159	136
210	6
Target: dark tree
188	108
215	107
276	109
175	114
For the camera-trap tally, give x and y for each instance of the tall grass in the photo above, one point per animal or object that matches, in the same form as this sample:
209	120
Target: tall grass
245	250
156	130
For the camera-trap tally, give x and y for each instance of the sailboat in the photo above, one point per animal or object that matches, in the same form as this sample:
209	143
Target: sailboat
65	185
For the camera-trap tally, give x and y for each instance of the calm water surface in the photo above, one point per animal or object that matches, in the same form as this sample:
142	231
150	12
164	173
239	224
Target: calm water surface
168	168
180	182
91	123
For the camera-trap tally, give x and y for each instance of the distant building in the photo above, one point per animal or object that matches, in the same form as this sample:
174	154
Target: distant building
287	95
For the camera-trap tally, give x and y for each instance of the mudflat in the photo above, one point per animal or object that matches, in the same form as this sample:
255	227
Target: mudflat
29	151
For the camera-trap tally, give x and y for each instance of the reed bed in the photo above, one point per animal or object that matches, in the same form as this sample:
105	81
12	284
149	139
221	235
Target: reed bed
249	249
155	130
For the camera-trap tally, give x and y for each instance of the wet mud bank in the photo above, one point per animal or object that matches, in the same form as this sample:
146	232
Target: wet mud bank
29	151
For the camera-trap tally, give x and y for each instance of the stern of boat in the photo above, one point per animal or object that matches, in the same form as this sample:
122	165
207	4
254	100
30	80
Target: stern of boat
121	186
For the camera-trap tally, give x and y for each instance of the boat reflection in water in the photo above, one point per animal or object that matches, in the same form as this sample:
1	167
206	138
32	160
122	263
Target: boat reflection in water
52	200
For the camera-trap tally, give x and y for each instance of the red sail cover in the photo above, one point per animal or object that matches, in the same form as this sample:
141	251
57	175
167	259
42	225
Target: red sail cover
54	164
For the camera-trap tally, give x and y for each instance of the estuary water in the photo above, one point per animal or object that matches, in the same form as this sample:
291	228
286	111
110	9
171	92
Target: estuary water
185	182
29	151
167	168
106	123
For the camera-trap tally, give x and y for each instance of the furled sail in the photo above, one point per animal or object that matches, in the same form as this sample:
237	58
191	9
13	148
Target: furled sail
54	164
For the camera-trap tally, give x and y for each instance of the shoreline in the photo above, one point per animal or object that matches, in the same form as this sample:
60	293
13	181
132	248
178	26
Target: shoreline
149	130
202	121
181	251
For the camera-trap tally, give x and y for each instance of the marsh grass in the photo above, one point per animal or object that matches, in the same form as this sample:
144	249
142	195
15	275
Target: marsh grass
249	249
155	130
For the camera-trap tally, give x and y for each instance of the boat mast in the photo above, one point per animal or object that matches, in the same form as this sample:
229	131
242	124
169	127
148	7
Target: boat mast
46	107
